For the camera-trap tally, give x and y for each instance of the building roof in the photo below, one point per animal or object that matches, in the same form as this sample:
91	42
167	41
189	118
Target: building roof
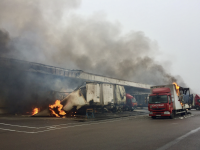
79	74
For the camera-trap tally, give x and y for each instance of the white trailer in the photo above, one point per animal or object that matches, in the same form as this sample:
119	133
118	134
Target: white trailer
105	95
93	93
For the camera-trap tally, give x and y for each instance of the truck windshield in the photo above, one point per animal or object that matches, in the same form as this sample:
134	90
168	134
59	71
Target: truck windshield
158	99
133	100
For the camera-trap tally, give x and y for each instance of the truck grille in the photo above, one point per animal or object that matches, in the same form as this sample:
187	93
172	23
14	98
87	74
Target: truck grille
158	108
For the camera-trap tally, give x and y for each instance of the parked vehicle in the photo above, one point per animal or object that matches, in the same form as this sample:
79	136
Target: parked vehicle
131	103
167	100
96	95
142	100
195	101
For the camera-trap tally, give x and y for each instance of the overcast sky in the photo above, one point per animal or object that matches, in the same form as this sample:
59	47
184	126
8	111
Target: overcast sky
173	24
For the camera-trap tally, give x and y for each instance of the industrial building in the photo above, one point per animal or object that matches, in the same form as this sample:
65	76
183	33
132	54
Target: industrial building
25	84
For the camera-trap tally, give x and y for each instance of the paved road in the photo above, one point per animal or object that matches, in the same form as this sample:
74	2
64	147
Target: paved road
132	132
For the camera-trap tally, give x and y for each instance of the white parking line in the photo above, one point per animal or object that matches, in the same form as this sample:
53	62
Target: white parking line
44	126
34	127
56	127
15	130
170	144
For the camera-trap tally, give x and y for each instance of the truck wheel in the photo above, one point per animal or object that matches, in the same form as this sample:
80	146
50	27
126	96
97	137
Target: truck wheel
153	117
132	108
197	108
186	112
172	115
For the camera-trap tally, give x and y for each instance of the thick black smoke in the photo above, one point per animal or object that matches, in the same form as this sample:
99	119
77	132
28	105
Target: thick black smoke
50	32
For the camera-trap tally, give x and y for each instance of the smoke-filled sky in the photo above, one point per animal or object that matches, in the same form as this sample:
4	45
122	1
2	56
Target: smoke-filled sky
152	42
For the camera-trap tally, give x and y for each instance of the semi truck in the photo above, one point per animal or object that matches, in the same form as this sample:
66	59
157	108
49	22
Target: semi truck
195	101
99	95
167	101
131	102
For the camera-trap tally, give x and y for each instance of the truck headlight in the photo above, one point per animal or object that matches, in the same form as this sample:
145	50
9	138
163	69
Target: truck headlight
150	112
166	112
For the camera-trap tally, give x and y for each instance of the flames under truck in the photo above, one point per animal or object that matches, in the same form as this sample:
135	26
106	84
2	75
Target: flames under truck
168	100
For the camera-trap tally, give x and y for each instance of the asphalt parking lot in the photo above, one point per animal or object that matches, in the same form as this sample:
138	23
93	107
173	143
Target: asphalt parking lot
135	130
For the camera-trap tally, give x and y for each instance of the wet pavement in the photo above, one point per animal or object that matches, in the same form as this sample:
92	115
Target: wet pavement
124	130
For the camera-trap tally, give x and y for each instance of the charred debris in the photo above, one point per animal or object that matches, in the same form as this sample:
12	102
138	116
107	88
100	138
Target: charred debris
99	97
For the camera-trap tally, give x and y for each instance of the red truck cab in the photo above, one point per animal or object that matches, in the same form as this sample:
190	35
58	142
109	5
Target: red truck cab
160	103
131	102
197	102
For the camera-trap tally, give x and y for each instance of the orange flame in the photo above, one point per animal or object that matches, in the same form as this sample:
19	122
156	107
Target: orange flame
177	88
35	111
181	104
177	91
57	106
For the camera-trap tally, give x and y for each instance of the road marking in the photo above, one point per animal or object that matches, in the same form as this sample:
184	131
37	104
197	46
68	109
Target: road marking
121	118
34	127
51	128
46	126
170	144
15	130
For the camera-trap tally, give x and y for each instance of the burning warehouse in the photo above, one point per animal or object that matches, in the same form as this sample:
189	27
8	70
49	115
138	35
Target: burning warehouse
27	85
106	50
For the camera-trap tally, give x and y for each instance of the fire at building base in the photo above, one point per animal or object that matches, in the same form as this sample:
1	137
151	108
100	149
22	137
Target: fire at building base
98	96
101	96
27	85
